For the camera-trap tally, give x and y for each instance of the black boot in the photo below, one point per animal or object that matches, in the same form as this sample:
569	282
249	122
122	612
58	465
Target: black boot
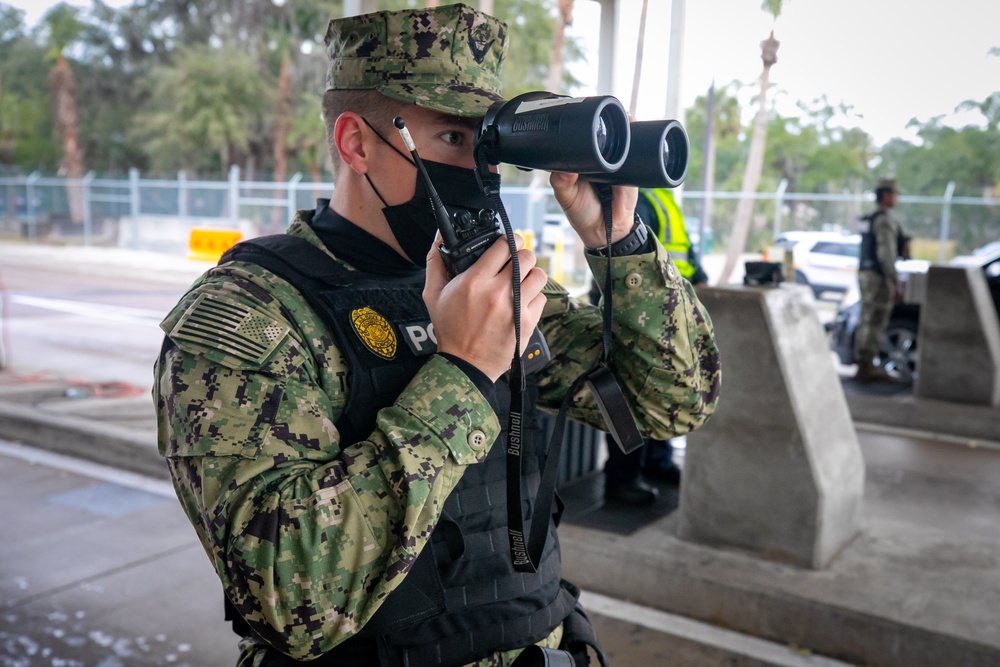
635	492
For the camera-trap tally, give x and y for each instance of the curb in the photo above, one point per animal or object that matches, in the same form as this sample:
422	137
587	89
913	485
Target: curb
129	449
684	579
921	414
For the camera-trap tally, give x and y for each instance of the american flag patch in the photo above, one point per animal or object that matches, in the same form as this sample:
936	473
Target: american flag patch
232	328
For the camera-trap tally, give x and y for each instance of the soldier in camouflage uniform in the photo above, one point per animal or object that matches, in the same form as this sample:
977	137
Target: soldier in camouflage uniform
321	526
881	243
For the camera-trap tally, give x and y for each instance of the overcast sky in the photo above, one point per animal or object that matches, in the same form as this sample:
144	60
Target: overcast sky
892	60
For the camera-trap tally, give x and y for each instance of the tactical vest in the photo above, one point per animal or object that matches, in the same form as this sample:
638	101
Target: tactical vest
868	259
671	231
461	599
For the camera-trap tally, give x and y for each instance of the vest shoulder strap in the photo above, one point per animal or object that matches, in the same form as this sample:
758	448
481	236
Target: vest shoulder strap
292	258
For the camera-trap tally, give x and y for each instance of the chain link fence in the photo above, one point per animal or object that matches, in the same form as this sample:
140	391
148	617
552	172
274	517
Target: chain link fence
158	214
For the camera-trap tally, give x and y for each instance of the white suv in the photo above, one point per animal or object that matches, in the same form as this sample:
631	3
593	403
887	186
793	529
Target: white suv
826	261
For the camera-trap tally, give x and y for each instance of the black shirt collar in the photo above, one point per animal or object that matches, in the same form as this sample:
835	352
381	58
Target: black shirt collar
356	246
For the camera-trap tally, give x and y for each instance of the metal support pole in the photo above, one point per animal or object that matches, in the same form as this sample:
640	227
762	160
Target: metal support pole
88	215
234	194
133	204
292	191
945	221
707	171
29	192
675	65
779	198
606	47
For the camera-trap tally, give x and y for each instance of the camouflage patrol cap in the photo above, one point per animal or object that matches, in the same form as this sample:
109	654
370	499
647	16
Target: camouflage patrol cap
444	58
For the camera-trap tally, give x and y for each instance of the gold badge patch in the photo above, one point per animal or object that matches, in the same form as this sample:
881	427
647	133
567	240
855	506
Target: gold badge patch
375	332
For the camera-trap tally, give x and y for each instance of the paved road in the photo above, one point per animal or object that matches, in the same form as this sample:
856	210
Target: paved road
66	323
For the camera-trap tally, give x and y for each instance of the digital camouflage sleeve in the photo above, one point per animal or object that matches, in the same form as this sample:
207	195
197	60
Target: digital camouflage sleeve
663	349
309	534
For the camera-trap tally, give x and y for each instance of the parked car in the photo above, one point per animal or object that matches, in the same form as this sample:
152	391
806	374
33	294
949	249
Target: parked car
898	353
825	261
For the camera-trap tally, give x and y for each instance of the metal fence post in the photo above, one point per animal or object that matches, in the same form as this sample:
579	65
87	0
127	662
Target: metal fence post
779	198
945	220
234	194
133	204
182	194
29	192
292	191
88	215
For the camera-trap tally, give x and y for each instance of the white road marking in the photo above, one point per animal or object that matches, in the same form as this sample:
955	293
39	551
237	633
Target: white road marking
767	652
94	310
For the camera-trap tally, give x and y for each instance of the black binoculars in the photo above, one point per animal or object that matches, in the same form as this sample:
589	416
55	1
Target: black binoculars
591	136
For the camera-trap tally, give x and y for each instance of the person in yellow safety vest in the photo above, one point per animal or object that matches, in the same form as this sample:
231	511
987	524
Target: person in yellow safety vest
660	212
624	474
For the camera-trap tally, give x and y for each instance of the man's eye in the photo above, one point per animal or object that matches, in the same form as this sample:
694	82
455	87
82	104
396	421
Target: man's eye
454	138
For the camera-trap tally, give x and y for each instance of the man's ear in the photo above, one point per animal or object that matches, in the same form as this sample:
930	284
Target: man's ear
350	138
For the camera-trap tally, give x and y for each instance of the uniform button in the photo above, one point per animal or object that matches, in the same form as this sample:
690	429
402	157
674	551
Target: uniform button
477	440
633	280
671	271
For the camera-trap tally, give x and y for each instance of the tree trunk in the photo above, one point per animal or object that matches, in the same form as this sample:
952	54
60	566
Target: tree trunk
563	18
64	91
554	82
754	166
282	128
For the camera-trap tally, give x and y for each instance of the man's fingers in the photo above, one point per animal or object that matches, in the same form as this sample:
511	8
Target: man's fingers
497	256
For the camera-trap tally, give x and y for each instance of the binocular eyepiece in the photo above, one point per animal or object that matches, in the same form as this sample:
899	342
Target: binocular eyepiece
590	136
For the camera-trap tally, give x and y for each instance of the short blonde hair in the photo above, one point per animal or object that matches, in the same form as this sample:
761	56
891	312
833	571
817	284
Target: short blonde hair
372	105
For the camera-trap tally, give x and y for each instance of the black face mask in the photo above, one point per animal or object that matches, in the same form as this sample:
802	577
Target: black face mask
413	223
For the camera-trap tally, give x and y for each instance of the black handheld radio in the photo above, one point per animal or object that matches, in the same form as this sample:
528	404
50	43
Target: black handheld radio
466	234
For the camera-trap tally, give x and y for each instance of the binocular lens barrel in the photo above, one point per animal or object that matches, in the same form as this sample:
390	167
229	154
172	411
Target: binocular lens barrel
658	157
541	130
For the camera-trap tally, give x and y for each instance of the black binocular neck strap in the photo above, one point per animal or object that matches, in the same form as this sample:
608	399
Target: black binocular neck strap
606	196
527	549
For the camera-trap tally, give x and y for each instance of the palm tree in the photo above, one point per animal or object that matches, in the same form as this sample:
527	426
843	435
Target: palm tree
63	27
755	159
208	102
564	18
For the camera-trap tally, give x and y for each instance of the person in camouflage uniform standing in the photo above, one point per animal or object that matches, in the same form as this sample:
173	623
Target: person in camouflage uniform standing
881	243
339	447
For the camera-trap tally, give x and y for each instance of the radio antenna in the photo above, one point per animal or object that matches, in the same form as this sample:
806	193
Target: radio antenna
440	214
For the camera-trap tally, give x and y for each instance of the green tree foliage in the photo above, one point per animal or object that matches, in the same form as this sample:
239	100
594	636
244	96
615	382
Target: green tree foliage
26	137
730	144
205	109
968	156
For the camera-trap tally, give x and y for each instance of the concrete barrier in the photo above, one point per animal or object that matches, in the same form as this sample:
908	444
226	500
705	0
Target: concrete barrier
777	470
959	339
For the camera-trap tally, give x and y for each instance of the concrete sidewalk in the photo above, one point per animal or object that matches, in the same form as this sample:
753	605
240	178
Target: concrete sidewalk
101	569
919	586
